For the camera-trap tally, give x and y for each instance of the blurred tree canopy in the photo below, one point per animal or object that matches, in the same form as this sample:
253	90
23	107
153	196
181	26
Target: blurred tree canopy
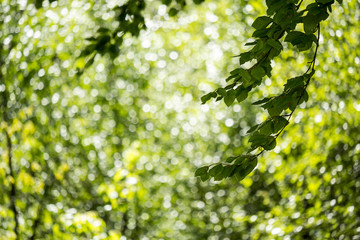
102	126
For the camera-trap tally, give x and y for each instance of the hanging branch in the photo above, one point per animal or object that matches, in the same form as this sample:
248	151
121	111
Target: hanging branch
312	68
281	20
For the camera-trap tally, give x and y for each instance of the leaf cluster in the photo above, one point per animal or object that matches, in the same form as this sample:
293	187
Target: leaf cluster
238	167
280	25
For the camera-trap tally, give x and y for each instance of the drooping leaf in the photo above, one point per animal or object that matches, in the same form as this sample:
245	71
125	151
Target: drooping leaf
271	143
241	173
201	171
230	97
310	23
241	94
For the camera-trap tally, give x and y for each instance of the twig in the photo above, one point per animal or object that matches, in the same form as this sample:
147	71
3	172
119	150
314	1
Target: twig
13	185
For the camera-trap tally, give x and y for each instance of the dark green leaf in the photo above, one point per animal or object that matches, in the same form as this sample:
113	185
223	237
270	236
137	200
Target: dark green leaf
275	44
261	22
310	23
241	173
173	12
264	100
275	110
218	98
253	128
241	94
258	139
279	123
228	171
230	159
201	171
266	127
204	177
245	57
207	97
258	72
229	98
260	33
294	83
301	40
216	170
271	144
241	159
221	91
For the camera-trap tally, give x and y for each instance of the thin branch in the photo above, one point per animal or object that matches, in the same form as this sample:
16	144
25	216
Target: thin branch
13	185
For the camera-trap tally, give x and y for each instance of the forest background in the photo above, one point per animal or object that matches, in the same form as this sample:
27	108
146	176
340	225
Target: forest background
104	144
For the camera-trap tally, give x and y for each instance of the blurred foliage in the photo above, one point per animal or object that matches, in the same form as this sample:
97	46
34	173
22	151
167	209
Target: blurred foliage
110	153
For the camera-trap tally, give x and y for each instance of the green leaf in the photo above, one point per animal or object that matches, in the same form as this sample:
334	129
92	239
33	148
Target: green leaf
258	72
216	170
271	144
275	44
304	98
245	75
279	123
235	71
253	128
258	139
198	1
166	2
266	127
228	171
241	159
274	5
260	33
103	30
301	40
229	98
207	97
201	171
294	83
267	66
310	23
241	94
261	22
264	100
221	91
173	12
230	159
241	173
218	98
245	57
204	177
275	110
